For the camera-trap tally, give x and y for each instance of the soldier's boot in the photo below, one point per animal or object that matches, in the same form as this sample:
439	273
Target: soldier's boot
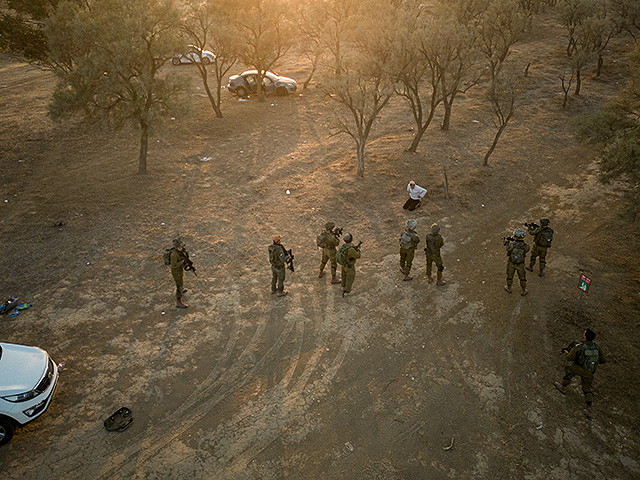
524	291
560	387
335	280
184	290
321	274
407	277
588	412
179	304
507	288
530	268
429	279
282	293
440	282
541	274
402	270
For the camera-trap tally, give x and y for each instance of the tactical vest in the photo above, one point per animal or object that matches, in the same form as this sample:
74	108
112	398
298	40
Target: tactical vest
432	244
341	254
589	357
321	240
544	237
406	240
518	253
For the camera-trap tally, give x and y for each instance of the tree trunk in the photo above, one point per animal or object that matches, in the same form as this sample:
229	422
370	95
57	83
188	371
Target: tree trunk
361	147
144	145
493	145
446	183
447	113
212	100
600	62
314	65
578	81
421	130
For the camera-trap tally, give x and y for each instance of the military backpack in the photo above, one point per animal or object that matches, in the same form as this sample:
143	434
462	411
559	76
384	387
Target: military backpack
518	253
589	357
321	241
166	256
406	240
341	254
545	237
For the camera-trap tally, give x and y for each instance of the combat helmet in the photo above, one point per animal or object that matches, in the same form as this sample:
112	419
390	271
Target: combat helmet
519	232
544	222
435	228
411	224
177	243
329	225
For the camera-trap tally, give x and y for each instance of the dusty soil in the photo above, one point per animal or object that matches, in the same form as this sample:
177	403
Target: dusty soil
375	386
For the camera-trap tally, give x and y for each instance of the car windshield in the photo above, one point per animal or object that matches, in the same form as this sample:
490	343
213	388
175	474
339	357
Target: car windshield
0	352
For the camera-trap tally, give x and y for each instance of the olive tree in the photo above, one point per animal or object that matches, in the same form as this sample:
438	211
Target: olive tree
119	49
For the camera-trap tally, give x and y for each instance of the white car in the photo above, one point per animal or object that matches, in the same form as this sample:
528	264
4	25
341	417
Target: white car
195	55
28	380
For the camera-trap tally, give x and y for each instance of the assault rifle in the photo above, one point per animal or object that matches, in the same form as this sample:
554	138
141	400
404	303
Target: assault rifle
508	239
188	264
337	231
532	225
289	260
357	247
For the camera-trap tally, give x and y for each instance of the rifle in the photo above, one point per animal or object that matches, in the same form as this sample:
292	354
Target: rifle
532	225
506	240
337	231
188	264
289	260
357	247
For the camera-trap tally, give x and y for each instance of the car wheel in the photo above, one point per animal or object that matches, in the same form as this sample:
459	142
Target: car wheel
241	92
281	92
6	431
176	61
206	61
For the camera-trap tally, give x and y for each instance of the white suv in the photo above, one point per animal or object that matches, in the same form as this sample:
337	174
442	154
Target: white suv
28	379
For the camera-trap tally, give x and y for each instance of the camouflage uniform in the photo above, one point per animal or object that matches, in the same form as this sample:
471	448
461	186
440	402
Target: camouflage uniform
349	268
513	267
277	258
409	240
177	272
329	252
539	248
574	368
434	243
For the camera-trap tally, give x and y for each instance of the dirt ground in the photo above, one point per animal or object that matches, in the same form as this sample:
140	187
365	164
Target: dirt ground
315	386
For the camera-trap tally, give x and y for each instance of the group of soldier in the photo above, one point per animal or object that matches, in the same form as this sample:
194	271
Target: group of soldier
583	357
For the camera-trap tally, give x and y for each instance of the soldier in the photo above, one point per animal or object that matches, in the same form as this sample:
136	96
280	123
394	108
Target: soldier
409	240
434	243
543	235
349	254
329	241
277	257
584	358
516	253
177	270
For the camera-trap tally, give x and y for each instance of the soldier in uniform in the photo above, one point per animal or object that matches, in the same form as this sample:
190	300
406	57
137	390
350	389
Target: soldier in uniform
278	258
329	251
177	271
543	234
516	253
583	360
409	240
434	243
348	274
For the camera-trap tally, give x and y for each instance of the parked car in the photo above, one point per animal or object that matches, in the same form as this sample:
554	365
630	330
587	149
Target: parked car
193	56
28	380
246	83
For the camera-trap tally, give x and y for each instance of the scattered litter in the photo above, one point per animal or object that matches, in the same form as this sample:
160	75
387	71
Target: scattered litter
483	205
58	224
6	201
161	313
88	263
119	421
243	100
18	308
9	305
162	224
475	121
458	259
348	446
291	157
304	141
288	192
241	151
173	118
273	104
539	427
450	446
61	366
205	159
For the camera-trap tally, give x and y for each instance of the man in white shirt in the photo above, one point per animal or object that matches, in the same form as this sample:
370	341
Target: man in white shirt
416	193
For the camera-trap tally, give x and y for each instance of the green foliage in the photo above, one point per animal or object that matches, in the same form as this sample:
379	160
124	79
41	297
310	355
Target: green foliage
615	130
108	58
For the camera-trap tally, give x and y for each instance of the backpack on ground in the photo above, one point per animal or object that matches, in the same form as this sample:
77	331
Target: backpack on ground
341	257
166	256
545	237
406	240
589	357
517	253
321	240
